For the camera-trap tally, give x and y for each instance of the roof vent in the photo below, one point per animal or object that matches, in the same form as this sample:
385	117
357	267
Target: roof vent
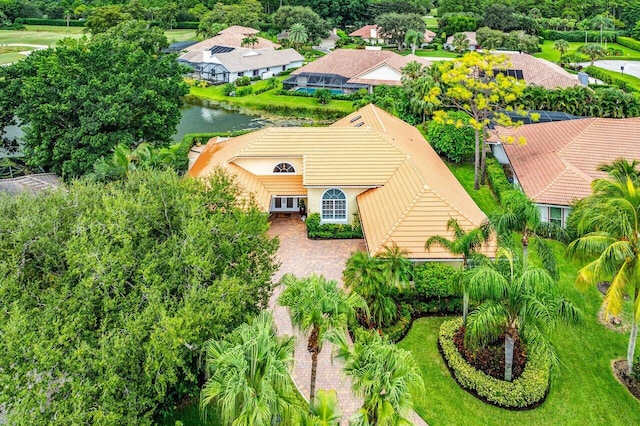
356	118
359	124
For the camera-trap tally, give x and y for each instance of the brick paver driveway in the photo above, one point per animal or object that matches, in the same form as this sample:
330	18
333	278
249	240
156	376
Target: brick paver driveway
302	257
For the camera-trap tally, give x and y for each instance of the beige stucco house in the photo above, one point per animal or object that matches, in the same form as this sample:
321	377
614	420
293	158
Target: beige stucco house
369	163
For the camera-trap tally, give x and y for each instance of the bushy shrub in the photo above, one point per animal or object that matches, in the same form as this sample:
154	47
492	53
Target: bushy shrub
228	89
53	22
244	91
243	81
435	279
527	390
186	25
598	73
592	36
629	42
329	231
452	140
323	96
497	179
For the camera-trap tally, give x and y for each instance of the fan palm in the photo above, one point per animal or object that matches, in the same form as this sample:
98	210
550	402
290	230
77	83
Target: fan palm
248	375
316	306
517	300
465	244
611	218
561	46
383	374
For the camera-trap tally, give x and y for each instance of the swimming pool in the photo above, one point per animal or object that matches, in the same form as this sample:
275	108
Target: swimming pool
313	90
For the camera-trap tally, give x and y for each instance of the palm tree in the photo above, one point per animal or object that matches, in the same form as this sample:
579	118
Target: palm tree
383	374
561	46
317	306
610	218
520	214
517	300
417	82
249	41
593	51
465	244
460	42
323	411
414	38
248	375
298	35
375	278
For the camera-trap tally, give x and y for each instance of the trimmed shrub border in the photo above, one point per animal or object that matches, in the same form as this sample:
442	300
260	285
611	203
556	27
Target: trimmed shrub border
526	392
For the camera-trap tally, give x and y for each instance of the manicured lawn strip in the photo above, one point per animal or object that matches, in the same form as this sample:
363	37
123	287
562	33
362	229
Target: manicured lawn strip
440	53
551	54
483	197
585	391
8	58
270	98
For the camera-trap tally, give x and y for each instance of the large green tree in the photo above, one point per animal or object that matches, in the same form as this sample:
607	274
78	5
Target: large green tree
609	224
80	99
316	306
108	293
248	380
395	26
475	85
287	16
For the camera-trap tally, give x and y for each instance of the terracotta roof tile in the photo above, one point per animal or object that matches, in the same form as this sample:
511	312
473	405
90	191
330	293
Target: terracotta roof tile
365	31
346	62
541	72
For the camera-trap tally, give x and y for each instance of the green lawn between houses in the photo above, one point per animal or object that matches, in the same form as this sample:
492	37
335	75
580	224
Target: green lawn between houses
584	392
551	54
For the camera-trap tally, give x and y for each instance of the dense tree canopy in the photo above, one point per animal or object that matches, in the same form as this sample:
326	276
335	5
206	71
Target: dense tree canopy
287	16
395	26
84	97
109	292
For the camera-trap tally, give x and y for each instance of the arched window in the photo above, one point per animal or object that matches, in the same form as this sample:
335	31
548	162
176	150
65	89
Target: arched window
284	168
334	205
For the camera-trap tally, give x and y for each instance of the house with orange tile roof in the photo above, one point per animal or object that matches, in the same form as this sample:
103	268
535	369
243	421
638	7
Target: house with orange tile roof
559	160
368	163
370	34
350	70
538	71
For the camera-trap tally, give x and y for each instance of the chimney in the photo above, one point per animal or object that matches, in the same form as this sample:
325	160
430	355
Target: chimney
583	77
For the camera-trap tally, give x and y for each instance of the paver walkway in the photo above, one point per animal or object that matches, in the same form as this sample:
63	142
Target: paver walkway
302	257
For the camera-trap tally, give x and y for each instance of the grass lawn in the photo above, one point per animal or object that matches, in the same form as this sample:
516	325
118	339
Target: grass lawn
8	58
48	35
551	54
270	98
431	21
483	197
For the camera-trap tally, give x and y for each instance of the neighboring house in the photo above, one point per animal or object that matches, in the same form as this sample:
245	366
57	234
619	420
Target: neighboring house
558	162
30	183
369	163
233	37
471	38
428	37
221	64
349	70
370	34
539	72
329	43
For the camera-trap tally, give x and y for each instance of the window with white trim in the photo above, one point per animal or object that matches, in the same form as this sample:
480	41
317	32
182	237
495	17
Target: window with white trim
555	215
334	205
284	168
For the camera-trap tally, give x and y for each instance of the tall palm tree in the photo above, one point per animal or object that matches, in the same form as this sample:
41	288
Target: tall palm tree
517	300
520	214
414	38
375	279
465	244
316	306
383	374
593	51
611	218
298	34
460	42
249	41
561	46
248	375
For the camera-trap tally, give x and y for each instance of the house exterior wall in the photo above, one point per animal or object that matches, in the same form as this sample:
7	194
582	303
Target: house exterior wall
499	153
314	200
546	211
274	70
264	166
383	73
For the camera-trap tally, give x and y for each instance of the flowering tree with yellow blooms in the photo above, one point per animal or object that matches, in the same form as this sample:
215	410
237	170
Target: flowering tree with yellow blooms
478	85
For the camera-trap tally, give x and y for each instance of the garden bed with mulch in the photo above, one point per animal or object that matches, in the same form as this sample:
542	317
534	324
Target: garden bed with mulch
620	370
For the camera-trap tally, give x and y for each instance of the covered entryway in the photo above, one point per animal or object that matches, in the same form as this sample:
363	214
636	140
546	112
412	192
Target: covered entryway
288	204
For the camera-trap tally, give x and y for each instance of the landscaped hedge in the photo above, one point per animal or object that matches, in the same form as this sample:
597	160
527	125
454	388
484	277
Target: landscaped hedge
186	25
54	22
629	42
497	179
526	391
592	36
330	231
602	75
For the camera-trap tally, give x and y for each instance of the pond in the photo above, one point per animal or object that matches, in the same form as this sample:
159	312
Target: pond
195	119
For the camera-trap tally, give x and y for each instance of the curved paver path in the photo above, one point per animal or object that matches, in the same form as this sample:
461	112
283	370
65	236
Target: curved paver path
301	256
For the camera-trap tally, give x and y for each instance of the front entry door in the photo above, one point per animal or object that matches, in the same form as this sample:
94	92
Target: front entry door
284	204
